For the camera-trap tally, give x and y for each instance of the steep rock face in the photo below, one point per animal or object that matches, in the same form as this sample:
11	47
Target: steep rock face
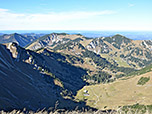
147	44
22	40
23	85
47	40
51	62
98	46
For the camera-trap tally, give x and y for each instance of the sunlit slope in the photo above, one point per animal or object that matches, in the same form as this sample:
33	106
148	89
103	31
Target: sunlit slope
119	93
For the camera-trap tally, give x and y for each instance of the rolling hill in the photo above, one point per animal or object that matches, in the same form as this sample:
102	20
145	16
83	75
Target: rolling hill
123	92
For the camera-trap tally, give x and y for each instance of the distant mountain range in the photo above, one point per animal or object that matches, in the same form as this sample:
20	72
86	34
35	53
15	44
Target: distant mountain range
131	53
135	35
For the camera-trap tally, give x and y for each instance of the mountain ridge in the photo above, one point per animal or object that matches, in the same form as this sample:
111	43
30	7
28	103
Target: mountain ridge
21	39
119	50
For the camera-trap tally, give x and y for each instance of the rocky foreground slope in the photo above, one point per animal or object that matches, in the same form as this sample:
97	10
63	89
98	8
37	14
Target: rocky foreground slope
35	81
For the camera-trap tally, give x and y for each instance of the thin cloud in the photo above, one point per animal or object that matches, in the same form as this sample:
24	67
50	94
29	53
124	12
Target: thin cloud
131	5
9	20
3	10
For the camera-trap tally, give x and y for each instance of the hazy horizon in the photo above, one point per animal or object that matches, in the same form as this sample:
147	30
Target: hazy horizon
135	35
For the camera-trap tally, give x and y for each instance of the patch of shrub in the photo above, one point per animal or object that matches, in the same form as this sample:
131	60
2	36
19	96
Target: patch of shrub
143	80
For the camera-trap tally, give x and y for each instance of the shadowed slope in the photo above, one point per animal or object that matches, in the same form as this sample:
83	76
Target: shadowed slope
22	86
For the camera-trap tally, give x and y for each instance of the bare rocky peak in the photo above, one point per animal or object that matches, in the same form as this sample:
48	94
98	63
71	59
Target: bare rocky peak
52	40
147	44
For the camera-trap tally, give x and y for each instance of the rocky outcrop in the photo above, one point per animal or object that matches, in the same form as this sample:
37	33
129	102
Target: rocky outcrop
47	40
98	46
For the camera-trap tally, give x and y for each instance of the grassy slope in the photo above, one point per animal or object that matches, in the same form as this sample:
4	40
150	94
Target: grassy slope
119	60
141	71
120	93
86	42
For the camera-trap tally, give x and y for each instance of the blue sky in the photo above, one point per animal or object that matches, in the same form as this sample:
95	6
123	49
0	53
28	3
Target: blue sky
76	15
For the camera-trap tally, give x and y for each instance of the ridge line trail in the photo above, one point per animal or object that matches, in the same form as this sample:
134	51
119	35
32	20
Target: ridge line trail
96	96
